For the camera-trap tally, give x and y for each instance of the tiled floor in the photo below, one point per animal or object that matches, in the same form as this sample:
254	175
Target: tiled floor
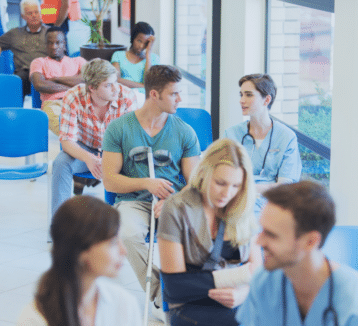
24	252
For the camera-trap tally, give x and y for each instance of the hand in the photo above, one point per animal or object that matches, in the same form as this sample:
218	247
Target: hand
160	188
151	40
158	208
230	297
95	166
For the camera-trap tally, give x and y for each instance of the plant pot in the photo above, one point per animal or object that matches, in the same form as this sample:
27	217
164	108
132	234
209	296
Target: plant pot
91	51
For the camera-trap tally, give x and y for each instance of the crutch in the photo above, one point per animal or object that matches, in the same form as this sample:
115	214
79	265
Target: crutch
140	154
148	279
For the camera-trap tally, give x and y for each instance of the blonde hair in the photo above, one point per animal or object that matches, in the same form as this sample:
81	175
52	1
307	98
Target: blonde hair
97	71
239	212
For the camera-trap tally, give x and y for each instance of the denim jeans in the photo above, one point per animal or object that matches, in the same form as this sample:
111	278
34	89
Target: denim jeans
188	315
64	167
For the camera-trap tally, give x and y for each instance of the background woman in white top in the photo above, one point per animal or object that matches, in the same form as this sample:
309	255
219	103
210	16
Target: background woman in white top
86	246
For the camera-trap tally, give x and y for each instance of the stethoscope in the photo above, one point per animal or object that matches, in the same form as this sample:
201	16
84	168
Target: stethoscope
326	312
254	142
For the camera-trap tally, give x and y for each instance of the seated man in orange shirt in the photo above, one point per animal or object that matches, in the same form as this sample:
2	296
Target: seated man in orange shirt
52	76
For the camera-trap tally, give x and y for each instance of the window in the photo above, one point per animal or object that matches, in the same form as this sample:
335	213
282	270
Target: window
190	50
299	58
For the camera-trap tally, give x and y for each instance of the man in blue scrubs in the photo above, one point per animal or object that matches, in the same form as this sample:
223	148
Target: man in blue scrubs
294	287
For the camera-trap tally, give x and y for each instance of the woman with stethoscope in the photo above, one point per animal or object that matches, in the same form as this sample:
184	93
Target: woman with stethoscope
271	145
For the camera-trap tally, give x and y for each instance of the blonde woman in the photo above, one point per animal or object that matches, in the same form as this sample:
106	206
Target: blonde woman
220	191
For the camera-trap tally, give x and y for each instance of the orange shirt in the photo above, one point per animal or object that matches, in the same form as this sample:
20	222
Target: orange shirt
50	10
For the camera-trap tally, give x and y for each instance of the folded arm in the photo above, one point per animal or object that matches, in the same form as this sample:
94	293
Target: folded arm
44	85
69	81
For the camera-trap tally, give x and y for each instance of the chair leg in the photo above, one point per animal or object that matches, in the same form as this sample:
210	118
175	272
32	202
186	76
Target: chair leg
49	201
30	159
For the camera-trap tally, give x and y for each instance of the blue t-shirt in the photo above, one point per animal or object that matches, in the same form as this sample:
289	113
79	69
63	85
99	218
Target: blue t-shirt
264	305
132	71
175	141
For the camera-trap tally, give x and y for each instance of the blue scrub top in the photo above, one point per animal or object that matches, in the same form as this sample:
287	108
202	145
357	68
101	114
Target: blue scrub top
283	158
264	305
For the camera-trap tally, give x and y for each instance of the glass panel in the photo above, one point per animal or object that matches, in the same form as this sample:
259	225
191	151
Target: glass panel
314	166
192	96
190	45
300	51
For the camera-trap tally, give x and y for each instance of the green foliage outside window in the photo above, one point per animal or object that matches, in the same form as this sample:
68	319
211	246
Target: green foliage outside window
315	122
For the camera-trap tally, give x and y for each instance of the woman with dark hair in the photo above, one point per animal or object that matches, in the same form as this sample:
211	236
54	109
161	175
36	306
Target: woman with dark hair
134	63
272	146
86	247
206	239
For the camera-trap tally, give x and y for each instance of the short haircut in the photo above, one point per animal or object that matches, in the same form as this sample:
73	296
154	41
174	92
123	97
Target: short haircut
239	212
55	29
264	84
157	77
25	3
141	27
310	204
97	71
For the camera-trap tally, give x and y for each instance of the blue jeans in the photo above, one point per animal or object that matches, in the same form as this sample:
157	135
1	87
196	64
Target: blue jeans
64	167
189	315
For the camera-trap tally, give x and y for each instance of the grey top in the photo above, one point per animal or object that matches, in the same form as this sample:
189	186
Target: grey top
183	221
26	47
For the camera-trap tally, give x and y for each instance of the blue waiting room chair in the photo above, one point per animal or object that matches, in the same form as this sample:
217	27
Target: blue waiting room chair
342	245
24	132
10	91
35	97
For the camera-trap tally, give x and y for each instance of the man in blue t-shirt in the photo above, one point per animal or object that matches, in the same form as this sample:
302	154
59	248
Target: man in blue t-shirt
176	150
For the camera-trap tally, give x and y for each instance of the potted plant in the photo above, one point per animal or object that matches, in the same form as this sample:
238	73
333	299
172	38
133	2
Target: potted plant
99	46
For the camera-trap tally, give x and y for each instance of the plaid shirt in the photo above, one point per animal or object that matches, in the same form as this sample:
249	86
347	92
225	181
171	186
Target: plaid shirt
80	123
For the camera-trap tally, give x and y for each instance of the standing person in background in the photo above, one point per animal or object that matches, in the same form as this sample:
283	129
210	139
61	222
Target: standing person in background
86	251
26	43
57	12
134	63
216	206
271	145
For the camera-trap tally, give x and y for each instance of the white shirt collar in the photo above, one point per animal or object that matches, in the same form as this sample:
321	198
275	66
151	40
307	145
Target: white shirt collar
38	31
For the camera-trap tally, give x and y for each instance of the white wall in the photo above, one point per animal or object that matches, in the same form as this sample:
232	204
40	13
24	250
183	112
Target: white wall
344	143
166	32
147	11
242	52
